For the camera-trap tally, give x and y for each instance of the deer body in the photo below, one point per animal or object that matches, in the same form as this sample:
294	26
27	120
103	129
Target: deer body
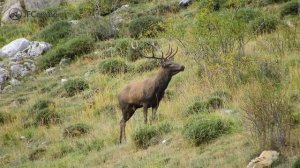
146	93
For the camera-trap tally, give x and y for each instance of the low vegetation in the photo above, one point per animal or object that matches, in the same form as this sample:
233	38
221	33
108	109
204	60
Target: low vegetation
204	128
113	66
75	86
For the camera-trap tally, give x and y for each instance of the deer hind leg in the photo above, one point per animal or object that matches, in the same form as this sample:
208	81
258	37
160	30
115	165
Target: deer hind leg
126	115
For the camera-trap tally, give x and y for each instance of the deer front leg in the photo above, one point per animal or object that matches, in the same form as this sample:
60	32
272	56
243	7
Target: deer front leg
153	117
145	114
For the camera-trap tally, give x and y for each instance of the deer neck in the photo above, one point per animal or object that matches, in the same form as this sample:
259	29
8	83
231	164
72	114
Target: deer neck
162	80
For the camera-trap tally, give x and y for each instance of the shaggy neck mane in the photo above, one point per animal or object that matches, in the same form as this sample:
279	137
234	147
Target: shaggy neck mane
161	82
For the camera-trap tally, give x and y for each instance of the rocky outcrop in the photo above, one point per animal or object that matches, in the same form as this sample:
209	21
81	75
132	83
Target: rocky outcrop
265	159
22	54
15	46
29	5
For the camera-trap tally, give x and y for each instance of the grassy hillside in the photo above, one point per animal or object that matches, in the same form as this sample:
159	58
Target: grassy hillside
242	55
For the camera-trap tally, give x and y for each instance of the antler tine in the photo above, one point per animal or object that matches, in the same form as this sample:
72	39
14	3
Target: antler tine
172	55
168	53
135	47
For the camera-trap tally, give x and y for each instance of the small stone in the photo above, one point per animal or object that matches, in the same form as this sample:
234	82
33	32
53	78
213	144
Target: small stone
63	81
50	71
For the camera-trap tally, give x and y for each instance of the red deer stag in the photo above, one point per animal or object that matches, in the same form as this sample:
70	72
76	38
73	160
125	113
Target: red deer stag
147	93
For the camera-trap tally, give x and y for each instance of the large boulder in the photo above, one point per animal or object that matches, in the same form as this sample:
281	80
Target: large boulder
265	159
29	5
13	47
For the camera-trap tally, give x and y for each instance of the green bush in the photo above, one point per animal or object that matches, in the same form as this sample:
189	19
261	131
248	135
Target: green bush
113	66
297	163
40	105
203	128
290	8
75	86
122	46
5	118
271	71
142	136
165	8
247	14
37	154
10	32
46	116
215	102
147	26
264	24
197	106
222	94
61	12
96	27
71	49
146	136
76	130
55	32
147	65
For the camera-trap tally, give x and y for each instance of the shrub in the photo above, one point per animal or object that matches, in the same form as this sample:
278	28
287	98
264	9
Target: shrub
46	117
215	102
5	118
87	146
113	66
10	32
142	136
222	94
269	115
55	32
75	86
76	130
122	46
247	14
297	163
271	71
290	8
203	128
147	26
165	8
197	106
164	128
96	27
40	105
37	154
61	12
146	136
71	49
264	24
147	65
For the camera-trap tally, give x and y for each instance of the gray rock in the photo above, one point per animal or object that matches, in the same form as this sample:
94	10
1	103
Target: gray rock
16	70
2	65
88	73
50	71
15	82
14	47
265	159
184	2
17	57
37	48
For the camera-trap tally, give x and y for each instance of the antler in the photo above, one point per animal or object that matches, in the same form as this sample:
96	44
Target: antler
170	54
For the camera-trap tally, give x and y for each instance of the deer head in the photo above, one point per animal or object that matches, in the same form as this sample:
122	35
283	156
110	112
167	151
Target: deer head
166	60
